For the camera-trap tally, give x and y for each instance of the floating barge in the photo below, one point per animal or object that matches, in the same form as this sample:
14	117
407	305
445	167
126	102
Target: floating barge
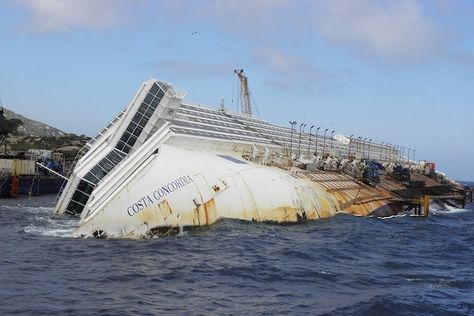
20	175
164	165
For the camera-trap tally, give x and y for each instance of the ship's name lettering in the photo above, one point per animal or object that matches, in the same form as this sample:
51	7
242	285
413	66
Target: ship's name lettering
158	194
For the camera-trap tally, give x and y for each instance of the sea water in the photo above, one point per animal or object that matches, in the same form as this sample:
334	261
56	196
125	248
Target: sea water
401	265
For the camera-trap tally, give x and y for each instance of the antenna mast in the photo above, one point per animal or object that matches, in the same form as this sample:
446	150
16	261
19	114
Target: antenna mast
245	103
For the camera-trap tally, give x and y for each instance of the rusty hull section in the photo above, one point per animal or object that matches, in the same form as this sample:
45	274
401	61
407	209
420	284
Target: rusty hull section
352	196
317	195
344	194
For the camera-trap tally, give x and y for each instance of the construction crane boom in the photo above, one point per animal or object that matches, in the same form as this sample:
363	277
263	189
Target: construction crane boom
245	104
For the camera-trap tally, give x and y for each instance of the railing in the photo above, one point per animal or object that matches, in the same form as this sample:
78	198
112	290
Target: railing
88	146
107	127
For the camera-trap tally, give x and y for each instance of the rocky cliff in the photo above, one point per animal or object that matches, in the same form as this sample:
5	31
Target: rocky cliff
33	134
33	128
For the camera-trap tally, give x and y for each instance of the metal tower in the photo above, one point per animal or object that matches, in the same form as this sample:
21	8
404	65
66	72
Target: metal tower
245	103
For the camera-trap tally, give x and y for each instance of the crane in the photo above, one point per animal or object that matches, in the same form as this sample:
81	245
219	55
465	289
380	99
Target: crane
245	103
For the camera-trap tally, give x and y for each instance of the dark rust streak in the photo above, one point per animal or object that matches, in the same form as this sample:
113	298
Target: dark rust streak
332	180
209	210
343	189
362	200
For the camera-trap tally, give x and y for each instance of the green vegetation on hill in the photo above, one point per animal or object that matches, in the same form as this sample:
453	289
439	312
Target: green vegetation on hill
24	143
19	133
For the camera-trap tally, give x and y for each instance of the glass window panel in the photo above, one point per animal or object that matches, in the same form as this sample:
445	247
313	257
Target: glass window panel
75	207
137	131
106	165
131	127
120	145
142	108
149	112
114	157
132	141
107	159
154	89
80	197
125	137
160	95
98	172
148	98
72	207
126	149
82	193
155	103
91	178
85	187
127	134
136	118
143	122
119	153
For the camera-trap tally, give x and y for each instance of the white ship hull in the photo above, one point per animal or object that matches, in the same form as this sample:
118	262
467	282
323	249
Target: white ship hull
179	188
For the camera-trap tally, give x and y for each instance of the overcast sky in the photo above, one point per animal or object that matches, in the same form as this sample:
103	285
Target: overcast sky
396	71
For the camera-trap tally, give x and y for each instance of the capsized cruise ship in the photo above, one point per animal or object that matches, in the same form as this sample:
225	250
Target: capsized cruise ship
164	165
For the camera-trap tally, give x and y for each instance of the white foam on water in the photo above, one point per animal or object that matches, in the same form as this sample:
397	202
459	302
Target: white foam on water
11	207
37	217
447	209
393	216
325	272
47	226
49	231
45	208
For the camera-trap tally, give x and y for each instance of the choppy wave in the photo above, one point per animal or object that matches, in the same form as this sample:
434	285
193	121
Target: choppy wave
343	265
392	216
447	209
52	227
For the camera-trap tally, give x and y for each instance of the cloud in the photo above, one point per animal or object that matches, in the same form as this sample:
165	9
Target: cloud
400	31
289	72
66	15
190	69
248	18
284	71
392	30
